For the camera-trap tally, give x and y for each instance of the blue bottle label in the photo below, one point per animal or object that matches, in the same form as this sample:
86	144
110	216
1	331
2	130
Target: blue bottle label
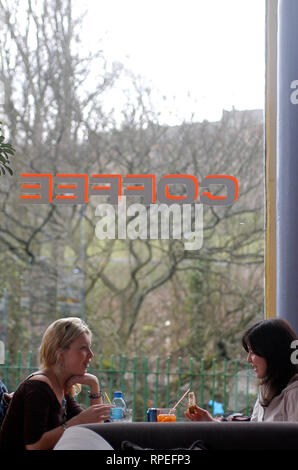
116	413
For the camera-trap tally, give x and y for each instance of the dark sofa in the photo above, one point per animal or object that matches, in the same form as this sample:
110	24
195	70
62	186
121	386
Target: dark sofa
215	436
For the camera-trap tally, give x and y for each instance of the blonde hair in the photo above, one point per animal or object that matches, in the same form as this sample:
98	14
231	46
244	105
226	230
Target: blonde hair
59	336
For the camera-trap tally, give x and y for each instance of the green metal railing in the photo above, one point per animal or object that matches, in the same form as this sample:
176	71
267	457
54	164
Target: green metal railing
158	382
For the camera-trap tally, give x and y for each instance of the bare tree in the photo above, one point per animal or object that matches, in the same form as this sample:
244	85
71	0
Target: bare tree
47	107
233	236
59	124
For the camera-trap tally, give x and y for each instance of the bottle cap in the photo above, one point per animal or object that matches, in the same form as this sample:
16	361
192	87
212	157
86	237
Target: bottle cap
117	394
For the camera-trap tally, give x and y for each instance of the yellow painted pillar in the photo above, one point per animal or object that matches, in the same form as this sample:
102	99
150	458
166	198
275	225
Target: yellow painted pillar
270	157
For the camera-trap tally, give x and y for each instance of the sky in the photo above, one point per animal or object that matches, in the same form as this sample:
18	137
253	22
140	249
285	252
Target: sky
204	55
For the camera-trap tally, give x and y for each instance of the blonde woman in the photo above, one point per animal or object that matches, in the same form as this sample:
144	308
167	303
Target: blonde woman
43	406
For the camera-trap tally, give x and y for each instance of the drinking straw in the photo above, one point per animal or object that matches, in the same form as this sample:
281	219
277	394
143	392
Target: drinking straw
180	399
108	398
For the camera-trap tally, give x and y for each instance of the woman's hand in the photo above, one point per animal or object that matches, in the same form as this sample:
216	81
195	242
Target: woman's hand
199	415
93	414
86	379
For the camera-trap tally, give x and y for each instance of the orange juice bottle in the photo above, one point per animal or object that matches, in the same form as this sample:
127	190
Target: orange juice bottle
191	402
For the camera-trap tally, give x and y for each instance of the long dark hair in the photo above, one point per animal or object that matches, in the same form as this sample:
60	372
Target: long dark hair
271	339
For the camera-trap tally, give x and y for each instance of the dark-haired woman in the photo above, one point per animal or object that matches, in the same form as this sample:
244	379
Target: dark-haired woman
269	345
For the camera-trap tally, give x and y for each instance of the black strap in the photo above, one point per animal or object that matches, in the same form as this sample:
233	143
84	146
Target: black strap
35	373
64	401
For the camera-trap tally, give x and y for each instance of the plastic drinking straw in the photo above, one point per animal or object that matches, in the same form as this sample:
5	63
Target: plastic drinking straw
180	399
108	398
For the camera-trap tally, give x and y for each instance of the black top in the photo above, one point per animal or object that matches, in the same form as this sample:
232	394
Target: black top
34	409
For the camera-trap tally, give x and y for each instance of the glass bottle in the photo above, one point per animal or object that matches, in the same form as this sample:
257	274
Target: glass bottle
191	402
